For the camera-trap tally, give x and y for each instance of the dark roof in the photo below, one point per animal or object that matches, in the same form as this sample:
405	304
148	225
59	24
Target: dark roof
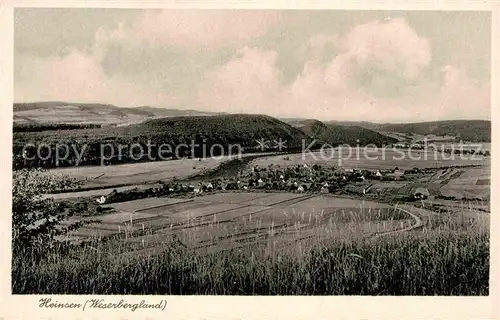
423	191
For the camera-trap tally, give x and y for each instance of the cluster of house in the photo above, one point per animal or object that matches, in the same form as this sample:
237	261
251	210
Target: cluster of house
302	178
407	145
456	150
485	153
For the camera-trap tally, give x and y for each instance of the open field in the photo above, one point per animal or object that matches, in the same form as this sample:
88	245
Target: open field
474	146
464	183
75	114
225	220
97	192
57	112
142	174
288	244
138	173
467	182
375	159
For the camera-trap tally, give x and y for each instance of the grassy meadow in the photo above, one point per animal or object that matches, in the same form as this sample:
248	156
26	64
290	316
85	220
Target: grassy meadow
448	256
439	264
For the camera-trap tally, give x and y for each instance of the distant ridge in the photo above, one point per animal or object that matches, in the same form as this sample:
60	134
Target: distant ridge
96	113
51	112
466	130
335	134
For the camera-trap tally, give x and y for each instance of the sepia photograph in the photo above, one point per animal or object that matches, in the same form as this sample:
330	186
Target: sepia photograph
251	152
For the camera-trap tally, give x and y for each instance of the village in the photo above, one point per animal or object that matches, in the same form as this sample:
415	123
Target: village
299	179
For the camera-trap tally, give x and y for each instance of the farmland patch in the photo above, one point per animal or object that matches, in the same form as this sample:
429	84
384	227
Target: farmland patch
378	159
232	197
231	220
122	217
467	191
192	210
335	202
483	182
144	204
477	172
272	199
389	188
138	173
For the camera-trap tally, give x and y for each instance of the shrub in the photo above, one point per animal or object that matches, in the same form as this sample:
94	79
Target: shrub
36	219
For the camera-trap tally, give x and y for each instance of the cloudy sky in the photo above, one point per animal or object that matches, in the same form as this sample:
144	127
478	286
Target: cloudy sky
338	65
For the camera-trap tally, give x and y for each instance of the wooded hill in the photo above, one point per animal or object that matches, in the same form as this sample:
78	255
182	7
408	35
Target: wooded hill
466	130
206	131
335	134
225	131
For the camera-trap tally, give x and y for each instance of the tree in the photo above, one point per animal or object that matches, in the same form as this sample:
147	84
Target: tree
36	219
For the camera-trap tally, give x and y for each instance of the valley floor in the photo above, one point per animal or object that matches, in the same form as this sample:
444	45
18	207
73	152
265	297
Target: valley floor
271	242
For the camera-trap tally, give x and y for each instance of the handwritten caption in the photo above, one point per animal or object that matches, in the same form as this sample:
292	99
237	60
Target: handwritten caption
101	304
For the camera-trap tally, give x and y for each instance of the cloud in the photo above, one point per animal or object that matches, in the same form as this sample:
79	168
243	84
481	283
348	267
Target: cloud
463	95
384	59
194	30
173	49
376	70
390	53
248	83
251	83
79	77
154	58
390	45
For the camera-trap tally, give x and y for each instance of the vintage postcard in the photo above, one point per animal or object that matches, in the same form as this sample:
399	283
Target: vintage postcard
281	161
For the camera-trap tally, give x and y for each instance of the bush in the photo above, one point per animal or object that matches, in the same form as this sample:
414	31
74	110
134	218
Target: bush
445	197
36	220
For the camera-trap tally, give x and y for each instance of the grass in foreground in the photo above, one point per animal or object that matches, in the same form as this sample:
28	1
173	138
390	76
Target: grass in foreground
452	263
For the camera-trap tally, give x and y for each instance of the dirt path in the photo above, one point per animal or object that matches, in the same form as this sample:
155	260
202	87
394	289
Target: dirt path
417	223
418	215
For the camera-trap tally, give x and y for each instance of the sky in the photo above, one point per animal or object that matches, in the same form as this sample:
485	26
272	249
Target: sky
380	66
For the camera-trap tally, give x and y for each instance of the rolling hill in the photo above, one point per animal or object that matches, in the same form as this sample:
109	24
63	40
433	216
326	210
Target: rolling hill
177	134
59	112
466	130
223	129
336	134
50	112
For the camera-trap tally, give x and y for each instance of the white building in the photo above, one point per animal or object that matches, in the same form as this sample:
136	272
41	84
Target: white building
101	200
